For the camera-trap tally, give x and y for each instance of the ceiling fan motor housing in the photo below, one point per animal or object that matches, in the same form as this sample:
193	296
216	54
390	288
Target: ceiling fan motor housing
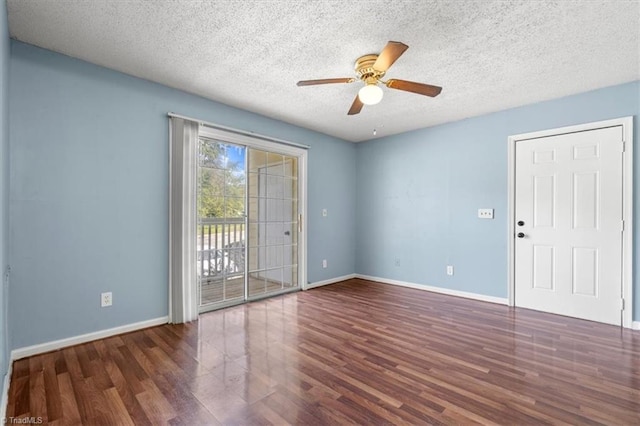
365	71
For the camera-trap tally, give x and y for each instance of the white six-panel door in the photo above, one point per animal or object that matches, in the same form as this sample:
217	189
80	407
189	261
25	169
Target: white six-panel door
568	212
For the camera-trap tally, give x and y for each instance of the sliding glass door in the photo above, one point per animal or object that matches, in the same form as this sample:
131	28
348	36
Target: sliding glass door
248	232
221	223
273	223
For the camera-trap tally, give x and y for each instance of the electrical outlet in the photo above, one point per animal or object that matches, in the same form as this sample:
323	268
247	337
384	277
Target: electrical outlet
397	261
324	263
449	270
485	213
106	299
325	213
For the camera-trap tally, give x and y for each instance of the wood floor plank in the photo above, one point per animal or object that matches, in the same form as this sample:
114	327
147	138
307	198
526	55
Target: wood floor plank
69	405
52	391
20	398
117	407
355	352
37	392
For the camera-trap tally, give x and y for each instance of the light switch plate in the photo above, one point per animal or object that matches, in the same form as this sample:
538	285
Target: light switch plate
485	213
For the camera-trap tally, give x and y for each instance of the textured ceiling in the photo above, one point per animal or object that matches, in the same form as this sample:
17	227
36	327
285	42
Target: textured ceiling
487	55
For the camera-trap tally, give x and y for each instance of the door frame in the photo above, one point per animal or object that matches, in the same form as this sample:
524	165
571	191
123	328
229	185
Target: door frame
294	150
627	204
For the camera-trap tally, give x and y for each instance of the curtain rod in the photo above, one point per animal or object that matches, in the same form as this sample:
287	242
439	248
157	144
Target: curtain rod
238	131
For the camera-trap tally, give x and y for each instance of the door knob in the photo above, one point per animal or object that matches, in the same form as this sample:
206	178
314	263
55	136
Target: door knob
520	234
520	223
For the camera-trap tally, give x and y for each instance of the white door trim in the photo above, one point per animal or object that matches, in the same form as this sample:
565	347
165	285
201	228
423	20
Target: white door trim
627	208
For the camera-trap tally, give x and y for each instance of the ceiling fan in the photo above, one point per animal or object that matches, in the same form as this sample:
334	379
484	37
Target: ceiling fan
370	69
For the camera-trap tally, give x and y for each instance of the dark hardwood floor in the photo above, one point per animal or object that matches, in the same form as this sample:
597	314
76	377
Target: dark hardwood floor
353	352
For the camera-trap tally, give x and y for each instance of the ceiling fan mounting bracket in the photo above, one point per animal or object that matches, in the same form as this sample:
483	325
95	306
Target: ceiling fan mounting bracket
364	68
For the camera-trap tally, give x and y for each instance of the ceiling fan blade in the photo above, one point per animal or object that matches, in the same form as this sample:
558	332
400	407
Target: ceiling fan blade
411	86
356	107
325	81
391	52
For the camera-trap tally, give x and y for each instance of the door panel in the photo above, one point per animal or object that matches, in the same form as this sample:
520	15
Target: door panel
544	201
273	218
585	271
585	200
544	273
220	238
569	196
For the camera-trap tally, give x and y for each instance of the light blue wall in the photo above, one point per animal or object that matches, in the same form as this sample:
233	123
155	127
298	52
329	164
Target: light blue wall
4	187
418	192
89	193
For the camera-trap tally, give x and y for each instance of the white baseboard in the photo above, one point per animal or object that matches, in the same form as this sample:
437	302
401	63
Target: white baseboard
457	293
635	325
330	281
84	338
5	392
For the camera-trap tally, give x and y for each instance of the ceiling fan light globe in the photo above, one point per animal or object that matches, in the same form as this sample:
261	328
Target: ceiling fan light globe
370	94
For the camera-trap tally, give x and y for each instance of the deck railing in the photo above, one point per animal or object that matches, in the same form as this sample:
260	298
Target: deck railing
220	247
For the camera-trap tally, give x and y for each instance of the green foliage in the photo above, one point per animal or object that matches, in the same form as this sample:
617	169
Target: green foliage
221	183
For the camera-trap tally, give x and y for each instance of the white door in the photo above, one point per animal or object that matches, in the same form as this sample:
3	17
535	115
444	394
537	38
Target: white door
568	212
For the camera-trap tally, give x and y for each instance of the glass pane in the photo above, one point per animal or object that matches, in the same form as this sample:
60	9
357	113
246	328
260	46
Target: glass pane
262	234
211	154
221	230
234	208
234	288
257	284
291	166
235	256
254	186
211	291
234	235
274	279
234	184
234	158
294	189
274	256
257	160
253	236
290	255
294	276
290	187
275	234
289	210
275	187
275	211
290	232
253	211
290	276
275	164
256	258
211	181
